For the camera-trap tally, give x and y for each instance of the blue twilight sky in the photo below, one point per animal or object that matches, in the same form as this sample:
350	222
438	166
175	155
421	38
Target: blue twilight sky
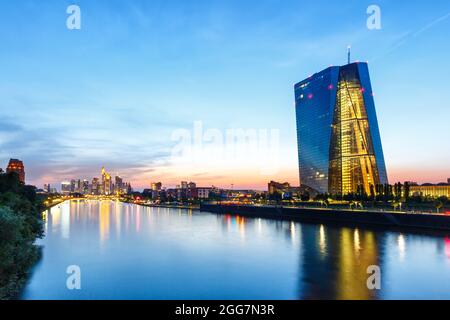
114	92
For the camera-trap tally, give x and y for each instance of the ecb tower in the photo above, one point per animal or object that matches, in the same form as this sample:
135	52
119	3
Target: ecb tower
339	144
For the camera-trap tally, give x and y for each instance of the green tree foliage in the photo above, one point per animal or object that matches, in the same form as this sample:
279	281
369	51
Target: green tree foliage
20	225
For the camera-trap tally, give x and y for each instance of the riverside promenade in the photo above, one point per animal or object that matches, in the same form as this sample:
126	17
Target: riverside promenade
342	216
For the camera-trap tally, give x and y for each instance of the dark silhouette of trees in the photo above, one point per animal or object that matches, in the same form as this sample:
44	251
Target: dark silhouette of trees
20	225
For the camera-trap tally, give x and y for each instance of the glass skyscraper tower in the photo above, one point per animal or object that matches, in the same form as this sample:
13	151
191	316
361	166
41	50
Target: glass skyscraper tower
339	144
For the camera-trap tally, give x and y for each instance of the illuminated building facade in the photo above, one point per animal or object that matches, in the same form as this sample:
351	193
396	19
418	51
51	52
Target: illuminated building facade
17	166
339	144
276	187
106	182
431	190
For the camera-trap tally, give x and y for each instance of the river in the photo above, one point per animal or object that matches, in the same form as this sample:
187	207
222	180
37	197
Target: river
127	251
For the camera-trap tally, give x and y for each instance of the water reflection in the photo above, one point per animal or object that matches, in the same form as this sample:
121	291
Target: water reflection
447	247
104	220
184	254
322	240
401	246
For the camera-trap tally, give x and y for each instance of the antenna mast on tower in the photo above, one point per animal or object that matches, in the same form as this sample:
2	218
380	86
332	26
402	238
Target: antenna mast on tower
349	48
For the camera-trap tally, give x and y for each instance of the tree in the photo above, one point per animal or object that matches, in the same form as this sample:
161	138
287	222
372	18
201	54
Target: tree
276	196
372	192
20	225
305	196
438	205
407	190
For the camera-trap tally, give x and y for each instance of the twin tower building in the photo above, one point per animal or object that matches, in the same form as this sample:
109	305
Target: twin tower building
339	144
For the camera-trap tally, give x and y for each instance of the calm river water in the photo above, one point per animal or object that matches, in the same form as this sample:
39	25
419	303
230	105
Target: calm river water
126	251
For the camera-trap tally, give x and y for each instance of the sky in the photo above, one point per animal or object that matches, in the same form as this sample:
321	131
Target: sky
152	89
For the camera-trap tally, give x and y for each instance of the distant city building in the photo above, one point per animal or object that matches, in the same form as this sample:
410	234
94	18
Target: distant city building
95	186
203	193
17	166
118	185
184	185
431	190
85	187
192	185
339	145
156	186
78	186
286	190
276	187
47	188
66	187
106	182
73	185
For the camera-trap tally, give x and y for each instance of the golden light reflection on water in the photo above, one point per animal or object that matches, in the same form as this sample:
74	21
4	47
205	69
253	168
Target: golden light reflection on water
241	225
118	218
104	220
357	241
352	276
322	240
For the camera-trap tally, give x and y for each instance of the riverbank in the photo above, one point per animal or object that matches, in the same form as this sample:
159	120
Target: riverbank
344	217
163	205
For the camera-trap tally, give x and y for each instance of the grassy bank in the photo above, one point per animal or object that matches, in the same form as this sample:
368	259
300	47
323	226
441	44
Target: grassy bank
20	226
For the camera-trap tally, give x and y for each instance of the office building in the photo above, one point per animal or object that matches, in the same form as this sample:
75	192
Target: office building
17	166
339	144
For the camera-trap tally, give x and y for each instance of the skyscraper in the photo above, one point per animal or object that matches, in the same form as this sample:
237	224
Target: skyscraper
95	186
66	187
339	144
106	182
16	166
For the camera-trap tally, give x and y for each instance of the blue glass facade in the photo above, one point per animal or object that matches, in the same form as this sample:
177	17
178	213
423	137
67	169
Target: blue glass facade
339	145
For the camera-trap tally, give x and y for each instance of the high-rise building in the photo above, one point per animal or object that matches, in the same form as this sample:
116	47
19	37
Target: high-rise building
95	186
156	186
66	187
106	182
339	145
17	166
73	185
85	187
118	185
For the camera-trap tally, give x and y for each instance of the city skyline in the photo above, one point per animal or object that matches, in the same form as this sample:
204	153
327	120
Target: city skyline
123	117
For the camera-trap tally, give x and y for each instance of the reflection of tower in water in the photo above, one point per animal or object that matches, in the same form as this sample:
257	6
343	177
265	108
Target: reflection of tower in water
105	210
335	262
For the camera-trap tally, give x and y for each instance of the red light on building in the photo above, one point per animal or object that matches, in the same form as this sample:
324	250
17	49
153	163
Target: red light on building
17	166
310	96
330	87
